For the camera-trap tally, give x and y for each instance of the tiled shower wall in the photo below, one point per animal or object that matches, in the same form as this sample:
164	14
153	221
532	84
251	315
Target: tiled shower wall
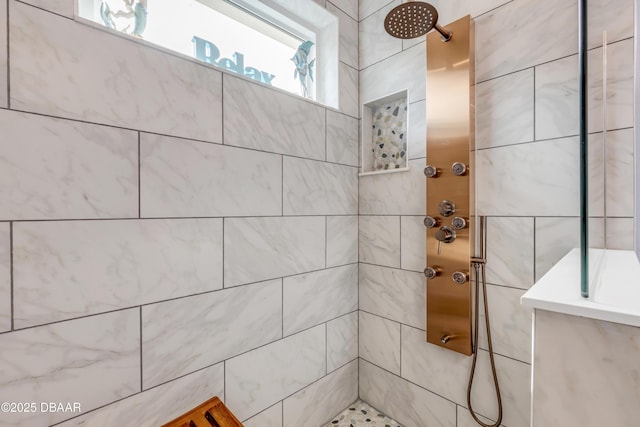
527	170
169	232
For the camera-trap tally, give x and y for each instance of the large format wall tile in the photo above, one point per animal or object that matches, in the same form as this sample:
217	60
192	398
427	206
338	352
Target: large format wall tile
614	17
396	193
405	70
4	96
260	378
68	69
61	7
57	169
313	298
379	341
348	52
417	131
404	402
342	341
159	405
465	420
93	361
375	43
69	269
258	117
349	86
342	240
395	294
5	276
318	188
189	178
177	338
266	248
367	7
620	173
380	240
619	235
535	179
510	251
315	405
557	98
539	31
270	417
504	110
555	237
342	139
350	7
413	243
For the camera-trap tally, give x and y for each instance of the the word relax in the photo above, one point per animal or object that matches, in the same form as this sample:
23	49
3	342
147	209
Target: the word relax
209	53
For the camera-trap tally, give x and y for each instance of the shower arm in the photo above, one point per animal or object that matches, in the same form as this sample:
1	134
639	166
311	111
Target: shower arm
446	35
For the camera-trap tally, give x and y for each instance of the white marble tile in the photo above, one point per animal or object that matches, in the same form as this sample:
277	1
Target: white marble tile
54	58
65	362
510	324
260	378
557	98
177	335
406	70
504	110
315	405
417	132
586	372
4	96
5	276
160	404
614	17
396	193
350	7
342	139
406	403
342	240
375	43
379	240
446	373
271	417
313	298
379	341
555	237
394	294
61	7
348	43
465	420
534	179
619	233
266	248
367	7
510	251
413	243
258	117
539	31
342	341
320	2
69	269
349	90
619	103
318	188
182	178
57	169
620	173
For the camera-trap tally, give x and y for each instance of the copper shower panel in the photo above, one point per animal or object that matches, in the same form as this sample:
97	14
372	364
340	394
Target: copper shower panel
413	19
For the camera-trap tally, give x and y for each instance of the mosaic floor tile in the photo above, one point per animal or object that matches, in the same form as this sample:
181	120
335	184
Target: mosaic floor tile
362	414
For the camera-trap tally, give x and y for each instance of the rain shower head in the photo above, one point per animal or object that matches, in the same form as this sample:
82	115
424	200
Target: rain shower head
414	19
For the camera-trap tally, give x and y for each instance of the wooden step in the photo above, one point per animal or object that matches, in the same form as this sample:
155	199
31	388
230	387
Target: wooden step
212	413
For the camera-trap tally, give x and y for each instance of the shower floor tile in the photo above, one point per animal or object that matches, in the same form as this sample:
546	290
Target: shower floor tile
362	414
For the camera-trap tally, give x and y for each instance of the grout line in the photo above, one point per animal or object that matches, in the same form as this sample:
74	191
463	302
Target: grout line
155	218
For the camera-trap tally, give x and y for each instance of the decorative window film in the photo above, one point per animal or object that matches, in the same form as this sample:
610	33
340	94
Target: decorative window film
247	37
384	145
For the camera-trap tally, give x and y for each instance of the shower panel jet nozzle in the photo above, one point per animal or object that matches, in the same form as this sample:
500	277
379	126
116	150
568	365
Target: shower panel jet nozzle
414	19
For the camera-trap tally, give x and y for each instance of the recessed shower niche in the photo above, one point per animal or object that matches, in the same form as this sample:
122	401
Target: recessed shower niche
384	134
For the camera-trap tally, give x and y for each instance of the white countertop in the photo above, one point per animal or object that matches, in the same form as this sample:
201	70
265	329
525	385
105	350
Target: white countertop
614	294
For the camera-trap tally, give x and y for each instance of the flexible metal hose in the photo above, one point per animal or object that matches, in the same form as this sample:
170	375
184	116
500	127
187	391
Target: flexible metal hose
480	273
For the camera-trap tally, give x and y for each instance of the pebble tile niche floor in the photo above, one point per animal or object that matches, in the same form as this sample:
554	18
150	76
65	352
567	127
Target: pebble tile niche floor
362	414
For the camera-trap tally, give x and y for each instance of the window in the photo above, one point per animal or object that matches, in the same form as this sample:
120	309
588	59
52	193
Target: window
275	42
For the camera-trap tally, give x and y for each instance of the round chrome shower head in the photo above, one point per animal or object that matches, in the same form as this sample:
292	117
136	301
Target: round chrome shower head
413	19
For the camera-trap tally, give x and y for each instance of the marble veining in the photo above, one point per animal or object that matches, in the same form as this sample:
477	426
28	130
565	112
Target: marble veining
122	83
159	405
342	240
59	169
181	178
177	336
260	378
342	139
417	132
375	43
350	7
620	173
380	240
313	405
614	17
61	7
342	341
60	272
379	341
313	298
80	354
348	30
265	248
4	96
270	417
413	241
318	188
5	276
510	251
368	7
258	117
400	193
349	84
